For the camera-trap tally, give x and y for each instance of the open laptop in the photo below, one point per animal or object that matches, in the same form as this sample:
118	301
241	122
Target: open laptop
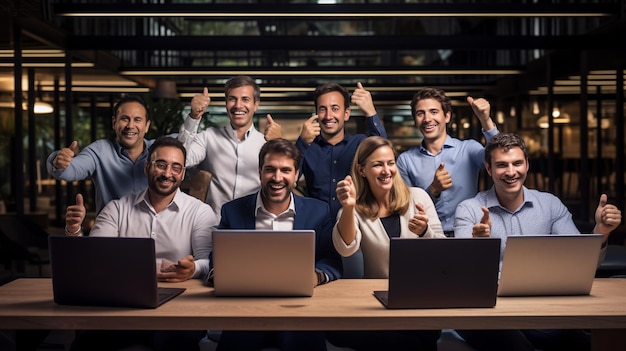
442	273
104	271
549	264
263	262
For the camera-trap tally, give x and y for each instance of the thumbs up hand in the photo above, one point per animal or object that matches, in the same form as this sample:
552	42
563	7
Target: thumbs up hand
483	228
363	99
310	129
607	217
199	104
273	130
75	215
65	155
442	181
418	224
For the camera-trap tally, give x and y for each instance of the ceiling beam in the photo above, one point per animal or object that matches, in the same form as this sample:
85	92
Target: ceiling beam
326	11
347	43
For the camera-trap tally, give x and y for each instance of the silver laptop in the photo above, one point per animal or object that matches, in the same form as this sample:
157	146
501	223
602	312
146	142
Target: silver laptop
549	264
442	273
263	262
106	271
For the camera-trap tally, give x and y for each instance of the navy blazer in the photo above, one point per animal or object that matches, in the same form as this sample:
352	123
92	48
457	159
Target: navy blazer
310	214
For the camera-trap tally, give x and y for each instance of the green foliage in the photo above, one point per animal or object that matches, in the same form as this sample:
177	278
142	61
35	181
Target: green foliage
166	115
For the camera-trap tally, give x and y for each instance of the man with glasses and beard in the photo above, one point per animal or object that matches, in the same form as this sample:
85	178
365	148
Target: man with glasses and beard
181	226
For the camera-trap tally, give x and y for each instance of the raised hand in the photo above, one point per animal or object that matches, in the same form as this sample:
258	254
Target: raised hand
442	180
273	130
419	222
608	217
200	103
483	228
482	110
65	155
310	130
346	193
74	215
363	99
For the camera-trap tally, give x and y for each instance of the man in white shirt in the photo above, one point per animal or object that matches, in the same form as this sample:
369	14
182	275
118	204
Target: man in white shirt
229	153
181	226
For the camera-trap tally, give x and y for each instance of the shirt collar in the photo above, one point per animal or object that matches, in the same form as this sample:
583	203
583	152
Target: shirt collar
175	205
121	151
447	143
260	207
233	133
345	140
492	199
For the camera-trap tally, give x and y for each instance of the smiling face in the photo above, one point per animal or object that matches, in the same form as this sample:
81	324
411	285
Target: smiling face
332	114
241	106
165	170
431	120
508	169
131	125
278	179
379	169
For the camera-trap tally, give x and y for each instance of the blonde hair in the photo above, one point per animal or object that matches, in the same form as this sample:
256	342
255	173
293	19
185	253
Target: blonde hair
366	204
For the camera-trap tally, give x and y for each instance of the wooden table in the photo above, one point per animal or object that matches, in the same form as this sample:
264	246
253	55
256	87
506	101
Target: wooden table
341	305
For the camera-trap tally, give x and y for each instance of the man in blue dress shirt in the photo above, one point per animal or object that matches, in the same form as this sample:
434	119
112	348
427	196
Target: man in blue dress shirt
509	208
446	167
327	150
116	167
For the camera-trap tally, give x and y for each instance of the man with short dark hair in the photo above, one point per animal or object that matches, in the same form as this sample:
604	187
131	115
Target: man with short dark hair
230	152
327	150
509	208
181	226
115	167
446	167
276	206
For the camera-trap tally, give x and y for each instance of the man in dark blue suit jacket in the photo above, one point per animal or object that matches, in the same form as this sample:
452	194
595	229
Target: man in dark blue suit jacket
275	206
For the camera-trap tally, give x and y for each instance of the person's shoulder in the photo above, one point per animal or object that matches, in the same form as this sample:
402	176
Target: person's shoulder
310	201
101	144
480	199
410	152
541	196
417	191
240	201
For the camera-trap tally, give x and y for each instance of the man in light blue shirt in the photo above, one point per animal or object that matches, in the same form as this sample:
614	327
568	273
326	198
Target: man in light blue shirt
509	208
116	167
446	167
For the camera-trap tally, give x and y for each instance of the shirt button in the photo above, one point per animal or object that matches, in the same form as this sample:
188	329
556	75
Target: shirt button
335	161
334	181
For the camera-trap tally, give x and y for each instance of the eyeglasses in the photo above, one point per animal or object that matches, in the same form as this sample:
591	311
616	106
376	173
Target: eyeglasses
177	168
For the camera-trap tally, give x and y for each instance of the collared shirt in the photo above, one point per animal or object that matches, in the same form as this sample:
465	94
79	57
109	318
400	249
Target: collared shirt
183	228
324	164
107	163
463	160
540	213
233	163
268	221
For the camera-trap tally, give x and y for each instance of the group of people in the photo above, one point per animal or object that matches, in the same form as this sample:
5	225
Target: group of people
359	194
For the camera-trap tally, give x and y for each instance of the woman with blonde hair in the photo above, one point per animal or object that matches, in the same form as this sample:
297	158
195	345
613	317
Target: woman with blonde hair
377	205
